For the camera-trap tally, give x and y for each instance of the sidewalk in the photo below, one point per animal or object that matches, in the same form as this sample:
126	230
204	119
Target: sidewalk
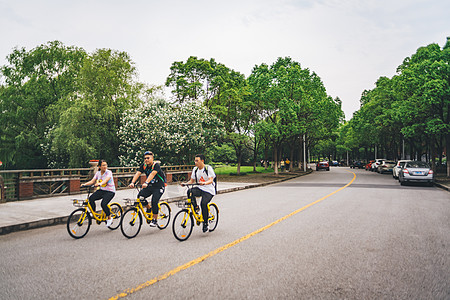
35	213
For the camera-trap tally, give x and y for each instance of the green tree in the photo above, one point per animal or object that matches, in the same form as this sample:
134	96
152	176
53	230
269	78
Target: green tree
90	118
33	84
222	90
175	133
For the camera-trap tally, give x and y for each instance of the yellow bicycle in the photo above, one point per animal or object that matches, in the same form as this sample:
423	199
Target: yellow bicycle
80	219
132	218
183	221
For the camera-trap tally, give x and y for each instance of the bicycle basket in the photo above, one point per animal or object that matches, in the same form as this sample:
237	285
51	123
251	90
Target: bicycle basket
131	202
79	203
182	204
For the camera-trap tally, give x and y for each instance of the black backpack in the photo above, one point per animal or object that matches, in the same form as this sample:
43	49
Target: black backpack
206	171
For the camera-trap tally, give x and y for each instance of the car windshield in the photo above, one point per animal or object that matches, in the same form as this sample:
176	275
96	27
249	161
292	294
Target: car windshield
417	164
402	163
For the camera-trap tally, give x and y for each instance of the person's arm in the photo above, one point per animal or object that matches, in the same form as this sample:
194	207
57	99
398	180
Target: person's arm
191	180
149	178
135	177
106	180
210	179
90	182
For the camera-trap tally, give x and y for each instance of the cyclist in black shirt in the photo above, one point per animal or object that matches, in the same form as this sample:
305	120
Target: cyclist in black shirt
154	183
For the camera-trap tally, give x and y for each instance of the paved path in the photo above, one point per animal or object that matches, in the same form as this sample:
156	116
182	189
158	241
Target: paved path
35	213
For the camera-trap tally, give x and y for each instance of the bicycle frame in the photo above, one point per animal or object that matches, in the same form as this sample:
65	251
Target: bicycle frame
190	207
100	217
139	207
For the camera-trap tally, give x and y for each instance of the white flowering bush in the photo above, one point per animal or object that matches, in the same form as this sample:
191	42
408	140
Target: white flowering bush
174	133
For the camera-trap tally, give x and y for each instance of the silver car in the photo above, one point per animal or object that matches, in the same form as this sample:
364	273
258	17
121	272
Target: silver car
416	171
398	167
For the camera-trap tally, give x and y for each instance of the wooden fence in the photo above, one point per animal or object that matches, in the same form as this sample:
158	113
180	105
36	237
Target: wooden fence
28	184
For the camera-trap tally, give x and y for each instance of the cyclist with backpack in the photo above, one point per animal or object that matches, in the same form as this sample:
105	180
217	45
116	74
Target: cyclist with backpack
154	183
206	178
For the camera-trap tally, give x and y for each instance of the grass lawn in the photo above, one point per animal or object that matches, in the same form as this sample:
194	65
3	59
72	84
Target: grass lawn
226	170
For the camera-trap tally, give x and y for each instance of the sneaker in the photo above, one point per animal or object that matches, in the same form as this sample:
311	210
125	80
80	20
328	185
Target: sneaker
153	223
109	222
205	227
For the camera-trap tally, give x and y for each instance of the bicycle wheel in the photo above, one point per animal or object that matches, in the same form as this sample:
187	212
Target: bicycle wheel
78	223
164	215
213	219
116	214
131	222
182	225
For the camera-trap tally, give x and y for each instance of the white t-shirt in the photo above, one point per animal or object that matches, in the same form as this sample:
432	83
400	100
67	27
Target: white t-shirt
202	177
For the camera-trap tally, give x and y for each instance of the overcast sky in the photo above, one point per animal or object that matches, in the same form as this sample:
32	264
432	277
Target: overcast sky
348	43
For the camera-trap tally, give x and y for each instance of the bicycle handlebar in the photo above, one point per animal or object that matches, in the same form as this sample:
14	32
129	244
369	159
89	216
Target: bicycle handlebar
189	184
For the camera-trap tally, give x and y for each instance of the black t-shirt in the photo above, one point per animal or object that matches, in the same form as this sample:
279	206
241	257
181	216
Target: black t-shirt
157	181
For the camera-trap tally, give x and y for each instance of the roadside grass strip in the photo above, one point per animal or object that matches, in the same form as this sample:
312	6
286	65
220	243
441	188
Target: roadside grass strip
223	248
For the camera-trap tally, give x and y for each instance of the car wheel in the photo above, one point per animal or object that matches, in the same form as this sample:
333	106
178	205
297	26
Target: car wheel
328	169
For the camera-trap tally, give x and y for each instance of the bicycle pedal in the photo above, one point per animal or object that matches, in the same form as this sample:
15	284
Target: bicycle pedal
198	223
148	221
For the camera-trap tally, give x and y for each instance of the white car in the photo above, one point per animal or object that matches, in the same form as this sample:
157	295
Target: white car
386	166
398	167
374	166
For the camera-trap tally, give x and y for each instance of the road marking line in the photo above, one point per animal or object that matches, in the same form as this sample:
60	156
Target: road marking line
223	248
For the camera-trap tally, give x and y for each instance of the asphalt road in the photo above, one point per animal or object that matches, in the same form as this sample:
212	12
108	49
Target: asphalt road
373	239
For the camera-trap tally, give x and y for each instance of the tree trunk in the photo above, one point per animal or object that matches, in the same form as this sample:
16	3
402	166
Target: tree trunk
275	160
300	153
447	147
238	171
291	164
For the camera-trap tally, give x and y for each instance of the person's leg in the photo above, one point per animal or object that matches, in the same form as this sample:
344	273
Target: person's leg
195	192
95	196
157	194
206	198
107	196
145	193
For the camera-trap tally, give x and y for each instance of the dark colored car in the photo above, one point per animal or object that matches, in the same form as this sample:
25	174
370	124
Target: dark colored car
323	165
357	164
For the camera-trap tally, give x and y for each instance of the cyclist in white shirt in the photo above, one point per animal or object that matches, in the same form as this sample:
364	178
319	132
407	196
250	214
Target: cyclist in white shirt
203	175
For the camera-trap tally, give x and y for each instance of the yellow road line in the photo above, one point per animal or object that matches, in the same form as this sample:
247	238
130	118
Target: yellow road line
225	247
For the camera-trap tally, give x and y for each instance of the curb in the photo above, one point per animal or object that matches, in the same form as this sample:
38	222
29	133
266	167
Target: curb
439	185
62	220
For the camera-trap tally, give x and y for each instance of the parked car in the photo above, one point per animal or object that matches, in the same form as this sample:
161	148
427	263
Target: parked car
398	166
357	164
416	171
322	165
374	165
335	163
386	166
369	165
